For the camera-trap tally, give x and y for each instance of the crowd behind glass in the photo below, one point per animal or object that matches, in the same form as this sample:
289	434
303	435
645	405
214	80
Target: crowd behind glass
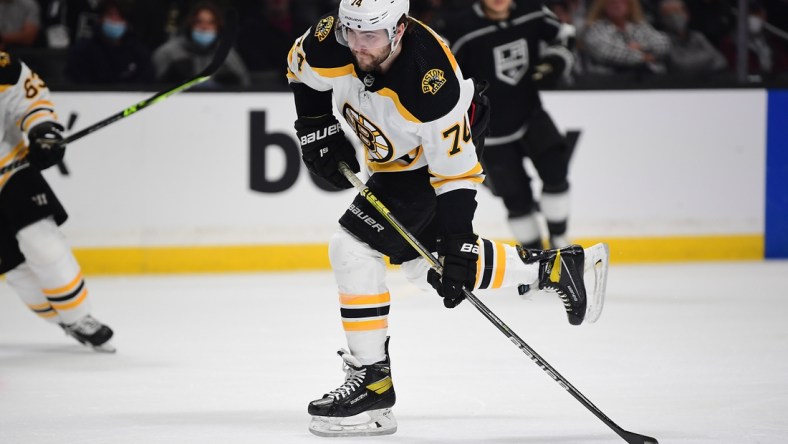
83	43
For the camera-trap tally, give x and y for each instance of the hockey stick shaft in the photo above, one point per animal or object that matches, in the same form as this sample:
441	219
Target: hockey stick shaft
631	438
222	51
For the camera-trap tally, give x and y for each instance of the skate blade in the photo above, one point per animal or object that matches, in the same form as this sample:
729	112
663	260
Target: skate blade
597	259
103	348
371	423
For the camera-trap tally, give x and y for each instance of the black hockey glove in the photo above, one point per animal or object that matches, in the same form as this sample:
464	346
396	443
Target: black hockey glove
459	255
323	146
45	150
479	116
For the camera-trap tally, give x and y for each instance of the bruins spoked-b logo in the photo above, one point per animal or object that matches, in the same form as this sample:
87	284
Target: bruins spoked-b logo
378	145
5	59
323	29
432	81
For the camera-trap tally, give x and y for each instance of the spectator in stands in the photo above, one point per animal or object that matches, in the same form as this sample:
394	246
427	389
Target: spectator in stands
310	11
157	21
78	16
690	51
713	18
619	40
19	23
431	12
267	35
766	56
192	50
113	54
572	12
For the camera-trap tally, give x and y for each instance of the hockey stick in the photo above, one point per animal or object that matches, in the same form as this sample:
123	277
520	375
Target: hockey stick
222	51
631	438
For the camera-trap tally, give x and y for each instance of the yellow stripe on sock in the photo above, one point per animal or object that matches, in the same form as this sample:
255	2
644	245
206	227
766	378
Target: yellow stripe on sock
40	306
368	299
479	261
75	303
376	324
64	289
500	265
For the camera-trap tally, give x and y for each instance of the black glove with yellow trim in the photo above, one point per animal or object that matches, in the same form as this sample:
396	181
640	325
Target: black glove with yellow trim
323	146
459	255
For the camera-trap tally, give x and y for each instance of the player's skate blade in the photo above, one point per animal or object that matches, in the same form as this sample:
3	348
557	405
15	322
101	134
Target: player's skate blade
369	423
597	260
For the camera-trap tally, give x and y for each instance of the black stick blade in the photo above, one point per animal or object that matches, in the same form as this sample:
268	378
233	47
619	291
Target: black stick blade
634	438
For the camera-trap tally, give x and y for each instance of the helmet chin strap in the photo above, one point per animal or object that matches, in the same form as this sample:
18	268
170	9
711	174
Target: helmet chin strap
394	45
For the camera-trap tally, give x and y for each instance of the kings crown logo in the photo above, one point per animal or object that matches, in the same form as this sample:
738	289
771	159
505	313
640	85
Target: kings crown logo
324	28
432	81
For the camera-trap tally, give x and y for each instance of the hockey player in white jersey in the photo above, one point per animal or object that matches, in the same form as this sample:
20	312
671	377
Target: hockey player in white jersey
34	256
399	88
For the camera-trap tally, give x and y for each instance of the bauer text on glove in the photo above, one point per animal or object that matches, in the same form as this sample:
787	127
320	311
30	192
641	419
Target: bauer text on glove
323	146
459	254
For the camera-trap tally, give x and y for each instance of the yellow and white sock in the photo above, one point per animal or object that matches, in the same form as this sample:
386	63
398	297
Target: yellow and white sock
360	274
25	284
50	259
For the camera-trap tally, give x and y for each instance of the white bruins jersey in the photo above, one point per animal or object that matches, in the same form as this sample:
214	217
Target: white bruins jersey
413	116
24	102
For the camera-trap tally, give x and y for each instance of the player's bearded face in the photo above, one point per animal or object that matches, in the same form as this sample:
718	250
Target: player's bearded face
369	48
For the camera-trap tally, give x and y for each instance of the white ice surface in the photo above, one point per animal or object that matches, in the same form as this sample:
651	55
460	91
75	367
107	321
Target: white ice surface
687	353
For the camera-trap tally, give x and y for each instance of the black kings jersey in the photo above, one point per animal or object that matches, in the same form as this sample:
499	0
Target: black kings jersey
413	116
504	53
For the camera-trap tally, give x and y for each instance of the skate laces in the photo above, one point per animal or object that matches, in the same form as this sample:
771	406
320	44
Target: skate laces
86	326
353	379
558	288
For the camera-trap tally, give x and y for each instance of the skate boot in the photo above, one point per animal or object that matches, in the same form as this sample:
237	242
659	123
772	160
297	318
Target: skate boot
359	407
563	272
91	332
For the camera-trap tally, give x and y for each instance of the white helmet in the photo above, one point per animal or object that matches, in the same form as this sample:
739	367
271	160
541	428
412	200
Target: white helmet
370	15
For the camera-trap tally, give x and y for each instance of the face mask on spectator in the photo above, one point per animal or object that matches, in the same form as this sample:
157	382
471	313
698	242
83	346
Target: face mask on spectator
755	24
203	38
675	22
113	30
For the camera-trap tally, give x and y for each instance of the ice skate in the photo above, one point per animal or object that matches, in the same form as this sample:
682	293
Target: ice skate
361	406
563	272
91	332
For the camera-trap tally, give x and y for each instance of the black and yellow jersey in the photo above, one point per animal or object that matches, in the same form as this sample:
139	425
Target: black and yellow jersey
412	116
24	102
